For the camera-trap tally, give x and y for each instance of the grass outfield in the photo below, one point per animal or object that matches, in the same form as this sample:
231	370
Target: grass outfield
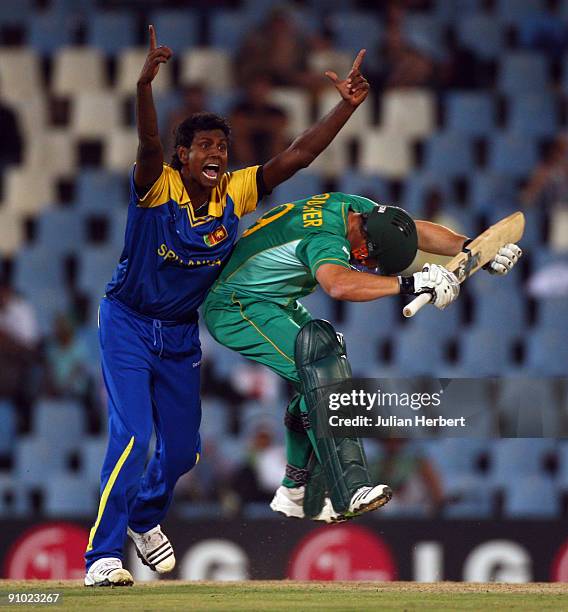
286	596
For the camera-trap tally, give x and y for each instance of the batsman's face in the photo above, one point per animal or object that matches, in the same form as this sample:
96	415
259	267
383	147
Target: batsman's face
207	158
358	240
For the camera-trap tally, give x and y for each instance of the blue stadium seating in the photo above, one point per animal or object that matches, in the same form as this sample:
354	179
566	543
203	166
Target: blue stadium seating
547	352
68	495
355	31
414	353
112	31
490	191
513	155
178	29
93	452
8	427
300	186
470	497
454	457
553	313
100	190
369	185
60	423
16	13
533	497
534	114
36	269
528	407
36	460
446	324
523	72
447	155
512	12
452	10
96	268
319	304
229	29
60	231
563	461
519	456
416	188
482	34
500	315
484	353
214	422
470	114
47	32
425	33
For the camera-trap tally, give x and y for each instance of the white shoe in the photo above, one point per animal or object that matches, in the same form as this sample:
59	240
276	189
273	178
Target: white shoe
108	572
289	502
154	549
367	499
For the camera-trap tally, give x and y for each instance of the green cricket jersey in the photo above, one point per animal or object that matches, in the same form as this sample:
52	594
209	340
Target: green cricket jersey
276	259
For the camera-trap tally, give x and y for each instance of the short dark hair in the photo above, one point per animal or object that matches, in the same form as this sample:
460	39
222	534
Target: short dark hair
198	122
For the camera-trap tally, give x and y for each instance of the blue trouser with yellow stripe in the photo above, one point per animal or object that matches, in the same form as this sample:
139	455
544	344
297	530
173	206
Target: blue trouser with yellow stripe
151	373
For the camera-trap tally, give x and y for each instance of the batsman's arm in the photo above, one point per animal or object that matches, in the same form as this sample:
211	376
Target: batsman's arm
439	240
340	283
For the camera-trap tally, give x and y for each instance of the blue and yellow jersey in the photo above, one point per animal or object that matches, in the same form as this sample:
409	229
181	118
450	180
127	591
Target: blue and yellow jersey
171	257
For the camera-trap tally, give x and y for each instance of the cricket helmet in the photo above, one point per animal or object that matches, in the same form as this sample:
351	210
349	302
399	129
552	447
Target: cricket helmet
391	238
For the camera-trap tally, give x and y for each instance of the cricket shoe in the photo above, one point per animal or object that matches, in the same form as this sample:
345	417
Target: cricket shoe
290	503
108	572
366	499
154	549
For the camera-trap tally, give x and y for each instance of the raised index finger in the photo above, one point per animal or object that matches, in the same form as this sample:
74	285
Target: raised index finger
153	42
359	59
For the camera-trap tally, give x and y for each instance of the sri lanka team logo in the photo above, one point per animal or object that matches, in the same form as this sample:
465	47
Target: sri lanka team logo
216	237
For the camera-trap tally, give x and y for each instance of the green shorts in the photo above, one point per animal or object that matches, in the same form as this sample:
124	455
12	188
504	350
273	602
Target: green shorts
262	331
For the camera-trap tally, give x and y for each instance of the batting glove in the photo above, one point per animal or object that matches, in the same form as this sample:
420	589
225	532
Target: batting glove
438	281
507	256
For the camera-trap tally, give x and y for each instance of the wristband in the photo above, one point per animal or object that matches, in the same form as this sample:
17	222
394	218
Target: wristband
406	284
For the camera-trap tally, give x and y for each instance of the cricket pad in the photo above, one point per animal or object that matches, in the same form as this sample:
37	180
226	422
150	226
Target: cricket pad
321	361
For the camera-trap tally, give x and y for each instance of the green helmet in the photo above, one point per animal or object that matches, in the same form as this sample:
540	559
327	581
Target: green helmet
391	238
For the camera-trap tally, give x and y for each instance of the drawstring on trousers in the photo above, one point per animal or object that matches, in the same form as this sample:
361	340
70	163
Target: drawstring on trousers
157	325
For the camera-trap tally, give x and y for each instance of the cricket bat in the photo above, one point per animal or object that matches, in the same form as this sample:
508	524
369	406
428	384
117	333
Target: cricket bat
481	251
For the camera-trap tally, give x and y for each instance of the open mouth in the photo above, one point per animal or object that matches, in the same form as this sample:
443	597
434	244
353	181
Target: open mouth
211	171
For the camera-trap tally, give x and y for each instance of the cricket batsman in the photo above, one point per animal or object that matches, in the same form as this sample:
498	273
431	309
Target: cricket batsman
253	308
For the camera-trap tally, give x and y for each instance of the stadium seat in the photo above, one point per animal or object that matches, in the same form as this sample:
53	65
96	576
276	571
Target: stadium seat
36	460
14	498
47	302
61	145
353	31
319	61
371	186
409	112
8	427
129	64
300	186
446	154
534	497
452	10
27	191
178	29
469	497
35	269
96	268
358	124
447	323
60	422
523	72
491	191
528	407
210	67
456	456
99	191
482	34
16	13
319	304
95	115
295	102
417	186
512	12
11	232
424	32
414	353
497	312
534	114
228	29
69	495
78	70
484	353
112	31
14	62
514	456
60	231
470	114
48	32
214	423
552	313
547	352
470	397
385	153
93	451
562	455
120	150
512	154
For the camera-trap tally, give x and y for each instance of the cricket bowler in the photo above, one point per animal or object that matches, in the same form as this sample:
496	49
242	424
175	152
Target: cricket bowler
356	250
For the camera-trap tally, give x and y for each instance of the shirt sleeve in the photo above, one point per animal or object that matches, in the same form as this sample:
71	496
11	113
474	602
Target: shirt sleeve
324	248
243	190
159	192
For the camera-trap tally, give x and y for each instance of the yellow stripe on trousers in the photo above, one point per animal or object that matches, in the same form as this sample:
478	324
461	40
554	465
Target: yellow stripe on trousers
108	489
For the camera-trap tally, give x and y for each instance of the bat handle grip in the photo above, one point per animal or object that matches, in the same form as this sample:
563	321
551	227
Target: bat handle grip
417	303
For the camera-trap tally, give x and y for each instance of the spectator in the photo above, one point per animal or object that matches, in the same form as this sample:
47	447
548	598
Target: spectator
548	184
415	483
278	50
194	101
259	127
19	357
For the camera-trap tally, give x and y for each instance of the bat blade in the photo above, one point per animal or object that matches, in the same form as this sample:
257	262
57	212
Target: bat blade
481	251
